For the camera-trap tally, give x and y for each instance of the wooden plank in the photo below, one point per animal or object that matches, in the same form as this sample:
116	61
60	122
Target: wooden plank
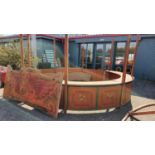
142	107
29	50
21	50
125	68
126	59
143	113
30	86
135	112
111	54
135	54
66	71
54	49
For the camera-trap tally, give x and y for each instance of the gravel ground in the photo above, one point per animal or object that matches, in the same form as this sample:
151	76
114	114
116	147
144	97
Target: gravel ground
143	93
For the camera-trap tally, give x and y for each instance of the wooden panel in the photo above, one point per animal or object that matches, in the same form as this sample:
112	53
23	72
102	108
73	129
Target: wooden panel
109	97
3	71
34	88
82	98
127	93
62	102
96	75
79	76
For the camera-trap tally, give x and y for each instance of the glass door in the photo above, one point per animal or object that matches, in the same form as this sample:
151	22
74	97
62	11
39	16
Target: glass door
86	55
131	54
89	56
120	54
83	48
99	56
108	48
103	53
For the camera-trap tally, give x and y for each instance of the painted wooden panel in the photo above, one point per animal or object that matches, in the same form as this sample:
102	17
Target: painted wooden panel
109	97
82	98
127	93
34	88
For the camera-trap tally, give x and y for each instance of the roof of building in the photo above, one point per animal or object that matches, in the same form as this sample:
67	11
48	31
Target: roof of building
56	36
72	37
25	35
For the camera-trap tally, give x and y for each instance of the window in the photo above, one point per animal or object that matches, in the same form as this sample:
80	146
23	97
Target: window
103	55
120	52
131	54
90	55
99	55
83	55
86	55
108	47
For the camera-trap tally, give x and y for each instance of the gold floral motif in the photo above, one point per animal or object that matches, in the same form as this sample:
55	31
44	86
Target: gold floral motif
110	96
82	97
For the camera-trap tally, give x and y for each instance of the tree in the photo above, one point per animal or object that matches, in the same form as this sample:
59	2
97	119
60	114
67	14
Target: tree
10	55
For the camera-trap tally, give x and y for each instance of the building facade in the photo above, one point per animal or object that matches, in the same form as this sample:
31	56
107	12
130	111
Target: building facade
93	51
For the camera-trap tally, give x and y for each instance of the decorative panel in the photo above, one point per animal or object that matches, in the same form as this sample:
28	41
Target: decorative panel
82	98
127	93
109	97
34	88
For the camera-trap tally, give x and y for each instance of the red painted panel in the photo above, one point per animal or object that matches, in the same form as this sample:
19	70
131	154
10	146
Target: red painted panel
82	98
109	97
3	71
127	93
34	88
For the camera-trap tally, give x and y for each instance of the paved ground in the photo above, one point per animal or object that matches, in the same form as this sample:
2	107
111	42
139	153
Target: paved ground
143	93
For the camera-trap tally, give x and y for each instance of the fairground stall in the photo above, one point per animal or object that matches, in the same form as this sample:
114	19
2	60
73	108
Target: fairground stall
71	89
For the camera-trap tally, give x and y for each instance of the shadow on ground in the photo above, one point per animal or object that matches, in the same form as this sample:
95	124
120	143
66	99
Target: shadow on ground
11	111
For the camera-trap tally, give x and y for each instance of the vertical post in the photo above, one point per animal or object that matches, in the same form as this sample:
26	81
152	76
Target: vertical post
103	57
54	50
34	45
83	56
29	50
94	55
125	67
66	71
21	50
135	54
126	57
111	54
86	55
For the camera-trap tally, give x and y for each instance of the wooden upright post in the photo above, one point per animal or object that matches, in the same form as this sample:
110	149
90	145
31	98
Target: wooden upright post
21	50
54	50
66	71
135	54
29	50
126	57
83	57
111	54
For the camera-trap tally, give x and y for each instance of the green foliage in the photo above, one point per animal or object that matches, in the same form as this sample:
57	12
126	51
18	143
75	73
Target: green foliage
10	55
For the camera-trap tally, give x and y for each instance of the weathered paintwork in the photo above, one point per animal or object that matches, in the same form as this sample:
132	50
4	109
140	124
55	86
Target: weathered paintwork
98	97
3	71
45	89
100	92
34	88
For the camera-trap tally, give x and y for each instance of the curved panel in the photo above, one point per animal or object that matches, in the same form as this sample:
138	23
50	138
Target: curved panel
82	98
109	97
